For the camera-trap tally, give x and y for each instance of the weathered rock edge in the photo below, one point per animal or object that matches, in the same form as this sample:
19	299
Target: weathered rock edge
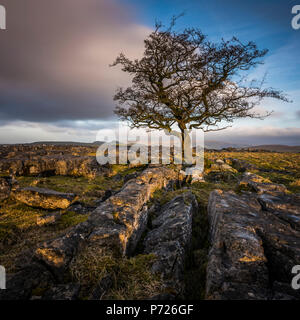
7	185
252	249
116	224
169	241
44	198
64	165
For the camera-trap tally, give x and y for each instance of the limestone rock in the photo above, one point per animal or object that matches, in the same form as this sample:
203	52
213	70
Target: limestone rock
219	162
44	198
58	253
241	165
194	174
7	184
170	238
125	213
46	160
252	248
260	184
50	218
19	286
117	224
220	165
284	206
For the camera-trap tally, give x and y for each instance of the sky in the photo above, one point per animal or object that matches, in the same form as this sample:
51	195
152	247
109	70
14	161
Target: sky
56	83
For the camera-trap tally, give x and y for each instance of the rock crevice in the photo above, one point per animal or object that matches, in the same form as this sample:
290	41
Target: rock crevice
115	225
252	249
170	239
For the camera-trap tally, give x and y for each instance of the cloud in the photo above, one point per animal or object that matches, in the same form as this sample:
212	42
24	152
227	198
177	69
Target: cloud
55	80
26	132
55	58
258	135
82	131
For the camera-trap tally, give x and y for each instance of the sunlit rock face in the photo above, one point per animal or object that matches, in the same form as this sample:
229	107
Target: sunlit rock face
260	184
45	160
169	240
66	165
44	198
116	224
254	245
126	210
219	165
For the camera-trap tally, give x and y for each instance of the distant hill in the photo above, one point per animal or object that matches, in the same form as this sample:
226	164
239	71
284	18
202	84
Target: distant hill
209	144
66	143
212	144
276	148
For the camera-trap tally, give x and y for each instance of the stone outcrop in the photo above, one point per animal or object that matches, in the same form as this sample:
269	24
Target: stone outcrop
260	184
169	240
220	171
241	165
285	206
50	159
47	219
220	165
65	165
58	253
44	198
115	225
126	210
45	149
19	286
7	184
252	249
193	174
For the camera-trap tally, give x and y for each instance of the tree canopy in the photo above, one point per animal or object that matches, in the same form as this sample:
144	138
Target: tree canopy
186	80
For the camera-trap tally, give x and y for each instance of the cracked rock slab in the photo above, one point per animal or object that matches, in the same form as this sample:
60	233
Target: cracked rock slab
44	198
170	238
252	249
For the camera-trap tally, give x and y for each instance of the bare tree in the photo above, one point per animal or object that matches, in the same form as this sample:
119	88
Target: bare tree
185	80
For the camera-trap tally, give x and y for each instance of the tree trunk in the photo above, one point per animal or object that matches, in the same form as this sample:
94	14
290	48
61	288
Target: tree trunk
182	145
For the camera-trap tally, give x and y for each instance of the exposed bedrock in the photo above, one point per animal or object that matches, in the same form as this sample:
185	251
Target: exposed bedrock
220	171
123	217
261	185
116	225
44	198
65	165
254	246
220	165
19	285
240	165
285	206
170	239
7	184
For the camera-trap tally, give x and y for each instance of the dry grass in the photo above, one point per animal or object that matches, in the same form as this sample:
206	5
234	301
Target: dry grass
132	278
87	190
18	222
281	168
19	230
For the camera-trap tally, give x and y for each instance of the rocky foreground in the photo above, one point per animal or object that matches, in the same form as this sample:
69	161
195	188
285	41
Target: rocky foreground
253	230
